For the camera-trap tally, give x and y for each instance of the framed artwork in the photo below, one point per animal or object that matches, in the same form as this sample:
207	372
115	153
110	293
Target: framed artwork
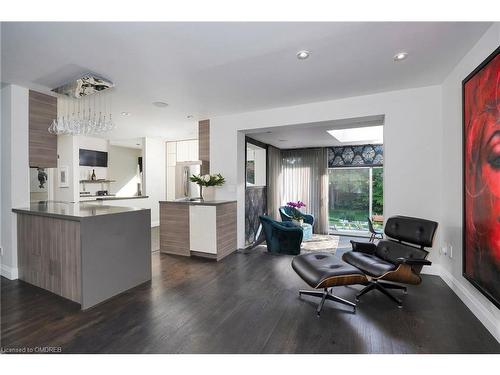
63	177
481	174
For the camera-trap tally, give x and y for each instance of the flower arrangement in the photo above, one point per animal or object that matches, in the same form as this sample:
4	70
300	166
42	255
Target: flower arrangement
298	205
207	180
296	214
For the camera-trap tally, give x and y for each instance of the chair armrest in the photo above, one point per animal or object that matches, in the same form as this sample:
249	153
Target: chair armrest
364	247
309	219
413	262
287	226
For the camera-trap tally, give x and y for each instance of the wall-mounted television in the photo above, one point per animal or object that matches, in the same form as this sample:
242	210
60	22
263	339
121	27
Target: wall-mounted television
91	158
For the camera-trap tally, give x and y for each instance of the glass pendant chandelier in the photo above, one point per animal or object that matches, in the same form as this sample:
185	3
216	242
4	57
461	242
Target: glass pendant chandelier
83	108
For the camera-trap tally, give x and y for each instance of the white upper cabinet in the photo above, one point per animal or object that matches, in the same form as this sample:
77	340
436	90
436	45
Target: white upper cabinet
187	150
193	149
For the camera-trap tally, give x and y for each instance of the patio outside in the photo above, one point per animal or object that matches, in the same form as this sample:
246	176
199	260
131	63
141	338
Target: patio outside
354	195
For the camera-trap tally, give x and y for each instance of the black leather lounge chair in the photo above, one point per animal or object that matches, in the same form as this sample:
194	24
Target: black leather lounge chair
398	259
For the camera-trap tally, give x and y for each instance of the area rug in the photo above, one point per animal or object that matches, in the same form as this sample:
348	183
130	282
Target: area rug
320	242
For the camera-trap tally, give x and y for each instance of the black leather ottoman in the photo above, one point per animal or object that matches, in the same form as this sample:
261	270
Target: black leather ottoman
323	271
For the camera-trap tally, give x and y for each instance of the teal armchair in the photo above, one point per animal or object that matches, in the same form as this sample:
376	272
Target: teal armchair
286	213
281	237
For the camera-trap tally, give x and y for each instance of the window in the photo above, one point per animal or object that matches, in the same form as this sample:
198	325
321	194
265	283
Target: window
355	194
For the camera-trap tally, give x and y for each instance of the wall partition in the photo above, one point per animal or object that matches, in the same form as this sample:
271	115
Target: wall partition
255	188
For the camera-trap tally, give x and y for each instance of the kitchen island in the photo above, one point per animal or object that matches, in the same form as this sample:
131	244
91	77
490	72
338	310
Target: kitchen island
198	228
82	252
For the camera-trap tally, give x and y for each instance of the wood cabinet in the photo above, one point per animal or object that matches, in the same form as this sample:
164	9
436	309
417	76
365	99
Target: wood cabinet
49	254
204	145
205	229
83	252
42	144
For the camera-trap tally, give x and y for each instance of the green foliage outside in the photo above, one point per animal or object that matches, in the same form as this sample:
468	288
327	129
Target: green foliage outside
349	197
378	191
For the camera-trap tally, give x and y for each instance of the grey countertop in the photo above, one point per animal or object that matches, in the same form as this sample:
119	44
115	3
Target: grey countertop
72	211
199	203
110	197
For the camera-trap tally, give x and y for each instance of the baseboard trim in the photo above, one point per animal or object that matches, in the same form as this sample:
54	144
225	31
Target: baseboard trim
435	269
472	303
9	272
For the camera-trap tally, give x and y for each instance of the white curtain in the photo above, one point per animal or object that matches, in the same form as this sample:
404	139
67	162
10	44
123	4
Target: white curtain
305	178
274	183
323	225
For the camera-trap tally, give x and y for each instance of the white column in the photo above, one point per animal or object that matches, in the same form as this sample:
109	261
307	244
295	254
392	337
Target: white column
14	171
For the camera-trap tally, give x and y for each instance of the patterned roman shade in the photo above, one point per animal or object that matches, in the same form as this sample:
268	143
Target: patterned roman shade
356	156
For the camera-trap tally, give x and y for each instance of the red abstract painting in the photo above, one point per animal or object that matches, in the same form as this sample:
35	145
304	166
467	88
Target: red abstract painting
481	121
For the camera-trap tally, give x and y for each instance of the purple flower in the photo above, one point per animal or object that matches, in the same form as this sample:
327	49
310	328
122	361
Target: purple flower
297	205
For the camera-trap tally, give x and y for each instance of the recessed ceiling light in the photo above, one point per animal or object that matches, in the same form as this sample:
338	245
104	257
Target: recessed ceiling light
400	56
190	116
269	132
160	104
303	54
366	134
282	140
125	113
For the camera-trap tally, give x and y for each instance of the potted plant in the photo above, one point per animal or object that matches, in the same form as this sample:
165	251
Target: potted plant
295	213
207	180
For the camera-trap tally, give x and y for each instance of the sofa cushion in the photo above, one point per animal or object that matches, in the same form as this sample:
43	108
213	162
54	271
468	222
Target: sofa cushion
368	263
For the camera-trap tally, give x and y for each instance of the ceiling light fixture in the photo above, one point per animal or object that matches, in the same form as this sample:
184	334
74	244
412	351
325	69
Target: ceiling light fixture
303	54
125	113
90	95
160	104
190	116
400	56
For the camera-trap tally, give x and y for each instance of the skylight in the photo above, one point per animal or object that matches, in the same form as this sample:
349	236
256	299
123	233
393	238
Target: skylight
373	134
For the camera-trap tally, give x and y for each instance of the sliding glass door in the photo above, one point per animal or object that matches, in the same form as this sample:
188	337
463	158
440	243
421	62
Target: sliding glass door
355	194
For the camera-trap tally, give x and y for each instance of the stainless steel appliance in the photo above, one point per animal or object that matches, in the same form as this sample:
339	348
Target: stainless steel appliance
183	187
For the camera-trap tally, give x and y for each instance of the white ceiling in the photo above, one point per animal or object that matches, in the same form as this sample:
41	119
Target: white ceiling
313	134
214	69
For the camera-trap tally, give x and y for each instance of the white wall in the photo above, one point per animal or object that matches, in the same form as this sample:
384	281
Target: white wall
85	172
123	168
412	145
258	155
451	196
154	168
171	161
67	151
154	175
15	170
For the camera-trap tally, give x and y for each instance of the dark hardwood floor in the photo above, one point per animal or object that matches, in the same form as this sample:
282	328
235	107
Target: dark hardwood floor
247	303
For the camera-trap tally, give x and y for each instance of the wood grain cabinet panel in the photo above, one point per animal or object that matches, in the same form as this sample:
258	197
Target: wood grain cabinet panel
204	145
174	228
226	229
49	254
198	229
42	144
